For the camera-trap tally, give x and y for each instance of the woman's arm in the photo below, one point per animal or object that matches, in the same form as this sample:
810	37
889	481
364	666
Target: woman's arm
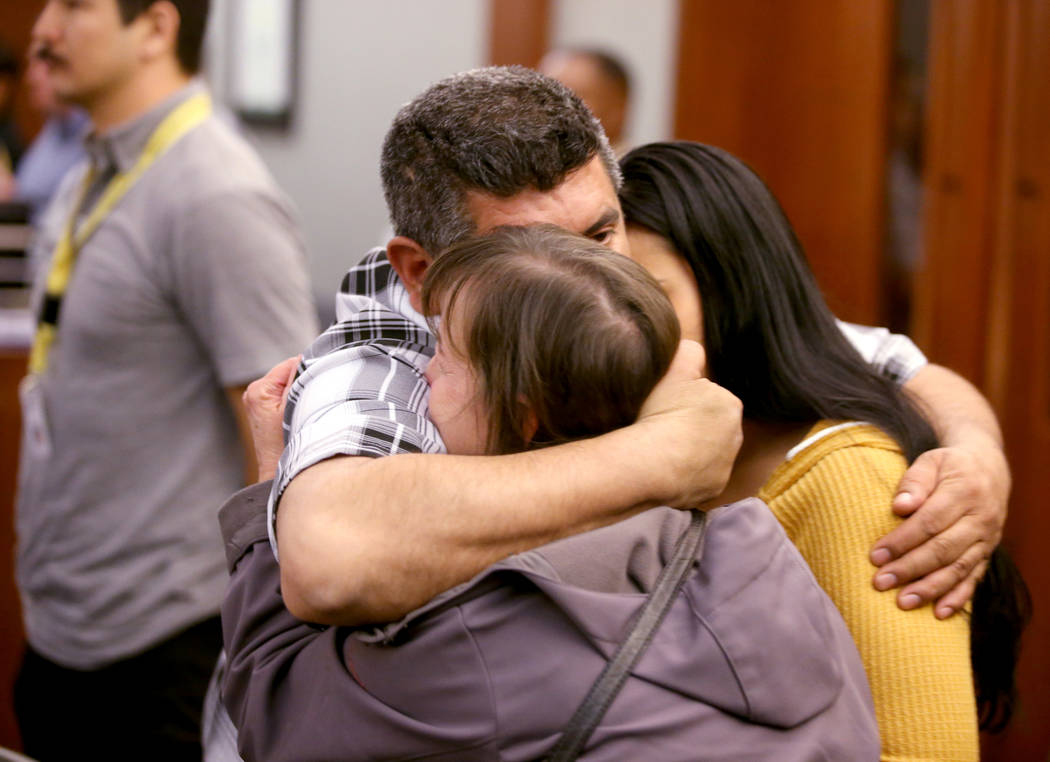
833	501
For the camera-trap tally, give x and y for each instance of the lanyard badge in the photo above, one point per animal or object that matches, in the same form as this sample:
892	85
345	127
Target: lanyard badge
181	120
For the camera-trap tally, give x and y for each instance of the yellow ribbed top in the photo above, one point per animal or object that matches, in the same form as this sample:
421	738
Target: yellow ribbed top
833	498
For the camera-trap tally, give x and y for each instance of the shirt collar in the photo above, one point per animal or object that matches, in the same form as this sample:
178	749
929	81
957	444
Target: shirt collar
121	146
73	124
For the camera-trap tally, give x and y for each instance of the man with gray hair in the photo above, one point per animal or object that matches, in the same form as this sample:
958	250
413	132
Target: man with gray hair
492	132
365	538
493	147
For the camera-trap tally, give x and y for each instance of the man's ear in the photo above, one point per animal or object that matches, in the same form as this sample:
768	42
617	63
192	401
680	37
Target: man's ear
410	261
529	422
160	30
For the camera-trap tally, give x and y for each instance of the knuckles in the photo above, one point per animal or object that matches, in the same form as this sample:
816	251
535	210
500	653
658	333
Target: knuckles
943	550
928	525
960	569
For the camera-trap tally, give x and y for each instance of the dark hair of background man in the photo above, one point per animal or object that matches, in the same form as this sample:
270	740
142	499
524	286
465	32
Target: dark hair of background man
193	18
611	66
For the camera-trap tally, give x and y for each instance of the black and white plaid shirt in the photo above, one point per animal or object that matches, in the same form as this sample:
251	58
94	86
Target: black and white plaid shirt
893	355
361	390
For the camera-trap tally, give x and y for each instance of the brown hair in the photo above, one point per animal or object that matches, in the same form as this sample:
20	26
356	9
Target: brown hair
578	333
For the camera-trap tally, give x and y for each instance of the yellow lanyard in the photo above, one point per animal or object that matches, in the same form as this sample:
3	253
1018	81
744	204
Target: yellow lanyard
184	118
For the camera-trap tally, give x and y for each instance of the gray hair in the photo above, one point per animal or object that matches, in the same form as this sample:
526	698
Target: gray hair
498	130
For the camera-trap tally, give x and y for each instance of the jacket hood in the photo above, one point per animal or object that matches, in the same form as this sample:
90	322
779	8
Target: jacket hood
742	636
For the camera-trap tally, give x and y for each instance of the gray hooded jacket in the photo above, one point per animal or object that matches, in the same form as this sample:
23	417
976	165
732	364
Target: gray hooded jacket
752	662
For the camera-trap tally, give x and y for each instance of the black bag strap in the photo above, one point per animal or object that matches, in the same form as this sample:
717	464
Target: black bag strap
611	680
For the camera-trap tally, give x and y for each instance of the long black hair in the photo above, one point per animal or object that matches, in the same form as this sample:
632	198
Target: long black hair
772	341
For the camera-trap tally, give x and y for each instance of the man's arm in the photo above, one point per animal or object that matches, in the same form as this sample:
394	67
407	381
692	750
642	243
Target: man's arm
367	540
955	498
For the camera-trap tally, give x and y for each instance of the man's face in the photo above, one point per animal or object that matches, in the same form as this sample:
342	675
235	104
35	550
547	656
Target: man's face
89	52
584	203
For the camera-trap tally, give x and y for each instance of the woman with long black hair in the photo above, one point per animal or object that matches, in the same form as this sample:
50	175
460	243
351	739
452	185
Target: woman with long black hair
826	439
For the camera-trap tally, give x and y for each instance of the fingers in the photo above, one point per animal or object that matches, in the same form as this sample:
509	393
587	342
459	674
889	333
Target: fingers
961	594
936	567
281	375
264	401
918	482
273	387
963	509
688	362
702	419
912	535
955	583
956	505
678	386
293	370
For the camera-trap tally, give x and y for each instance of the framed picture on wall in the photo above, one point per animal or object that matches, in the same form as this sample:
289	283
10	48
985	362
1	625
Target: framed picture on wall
263	60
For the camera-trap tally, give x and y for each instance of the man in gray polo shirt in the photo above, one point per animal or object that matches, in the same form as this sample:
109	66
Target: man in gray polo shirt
182	278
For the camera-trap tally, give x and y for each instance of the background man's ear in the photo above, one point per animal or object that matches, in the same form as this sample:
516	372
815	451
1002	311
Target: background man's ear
160	22
410	261
529	422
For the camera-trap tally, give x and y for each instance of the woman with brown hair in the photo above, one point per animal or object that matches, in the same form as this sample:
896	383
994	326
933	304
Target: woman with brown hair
546	337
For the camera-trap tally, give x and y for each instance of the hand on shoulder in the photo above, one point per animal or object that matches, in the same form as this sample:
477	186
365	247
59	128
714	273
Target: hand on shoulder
955	501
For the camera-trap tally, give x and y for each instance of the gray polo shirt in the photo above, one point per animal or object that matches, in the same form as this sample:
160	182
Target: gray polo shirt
194	283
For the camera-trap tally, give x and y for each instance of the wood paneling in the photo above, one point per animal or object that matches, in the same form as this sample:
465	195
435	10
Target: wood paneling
1018	348
963	124
518	31
983	294
16	22
12	640
800	91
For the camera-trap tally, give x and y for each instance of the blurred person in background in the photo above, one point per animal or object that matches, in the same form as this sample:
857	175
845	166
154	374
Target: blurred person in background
10	139
175	274
57	148
601	80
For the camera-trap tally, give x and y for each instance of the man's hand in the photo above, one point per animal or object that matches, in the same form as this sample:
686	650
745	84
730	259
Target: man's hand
955	499
264	401
695	425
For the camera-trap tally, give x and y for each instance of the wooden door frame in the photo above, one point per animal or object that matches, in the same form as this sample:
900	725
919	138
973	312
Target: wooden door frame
519	31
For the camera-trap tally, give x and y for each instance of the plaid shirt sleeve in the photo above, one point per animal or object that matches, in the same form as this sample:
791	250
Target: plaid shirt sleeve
893	355
360	389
